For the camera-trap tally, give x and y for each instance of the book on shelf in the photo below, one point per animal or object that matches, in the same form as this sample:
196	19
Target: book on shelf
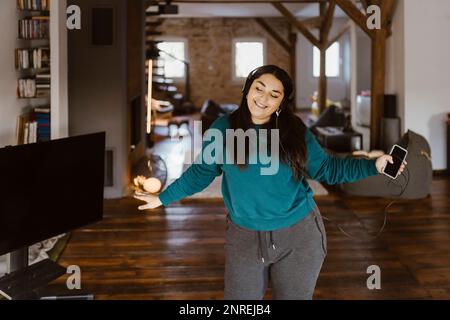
35	27
34	58
34	126
43	76
26	88
41	110
36	5
36	87
26	133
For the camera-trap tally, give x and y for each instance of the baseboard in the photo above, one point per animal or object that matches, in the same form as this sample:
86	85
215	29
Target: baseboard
440	173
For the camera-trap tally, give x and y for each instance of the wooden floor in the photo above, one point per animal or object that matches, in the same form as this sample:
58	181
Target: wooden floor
178	252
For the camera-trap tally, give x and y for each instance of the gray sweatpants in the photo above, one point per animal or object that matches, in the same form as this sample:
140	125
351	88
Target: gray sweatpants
291	257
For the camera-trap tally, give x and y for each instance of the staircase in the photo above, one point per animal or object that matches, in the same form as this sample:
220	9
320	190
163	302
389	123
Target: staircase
164	89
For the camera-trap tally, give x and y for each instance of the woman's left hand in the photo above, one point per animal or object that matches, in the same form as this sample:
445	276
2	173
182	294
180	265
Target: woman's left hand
383	160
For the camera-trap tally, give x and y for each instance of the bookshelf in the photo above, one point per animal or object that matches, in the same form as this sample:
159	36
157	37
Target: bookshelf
32	63
34	5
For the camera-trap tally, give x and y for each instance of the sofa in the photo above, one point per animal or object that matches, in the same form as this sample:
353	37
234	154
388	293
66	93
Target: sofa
211	111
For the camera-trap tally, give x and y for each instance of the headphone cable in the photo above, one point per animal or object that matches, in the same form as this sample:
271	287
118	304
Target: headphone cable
386	208
386	211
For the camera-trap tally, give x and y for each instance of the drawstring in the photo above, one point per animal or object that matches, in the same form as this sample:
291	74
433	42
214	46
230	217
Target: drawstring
262	246
271	241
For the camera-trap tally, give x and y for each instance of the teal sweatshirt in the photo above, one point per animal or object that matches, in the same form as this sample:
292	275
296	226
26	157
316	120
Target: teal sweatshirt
268	202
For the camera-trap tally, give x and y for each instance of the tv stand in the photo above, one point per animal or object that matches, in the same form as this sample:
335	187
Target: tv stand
23	284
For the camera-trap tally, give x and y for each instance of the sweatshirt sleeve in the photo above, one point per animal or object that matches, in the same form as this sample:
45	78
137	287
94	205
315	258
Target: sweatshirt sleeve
333	170
198	176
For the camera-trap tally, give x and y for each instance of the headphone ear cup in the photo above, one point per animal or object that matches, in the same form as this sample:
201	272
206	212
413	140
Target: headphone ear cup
249	80
244	88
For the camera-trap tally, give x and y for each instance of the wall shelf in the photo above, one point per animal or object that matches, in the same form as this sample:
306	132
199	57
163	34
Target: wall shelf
34	33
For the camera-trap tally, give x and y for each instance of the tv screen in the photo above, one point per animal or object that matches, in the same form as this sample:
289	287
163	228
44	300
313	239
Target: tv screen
50	188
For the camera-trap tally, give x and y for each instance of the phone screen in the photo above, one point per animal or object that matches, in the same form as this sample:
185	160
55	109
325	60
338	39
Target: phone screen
398	156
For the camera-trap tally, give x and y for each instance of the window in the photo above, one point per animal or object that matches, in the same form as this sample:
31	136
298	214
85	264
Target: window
248	55
173	53
333	60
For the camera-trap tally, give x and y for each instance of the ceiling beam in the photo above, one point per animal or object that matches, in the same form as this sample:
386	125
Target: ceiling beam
294	22
357	16
274	34
365	4
312	23
339	34
327	22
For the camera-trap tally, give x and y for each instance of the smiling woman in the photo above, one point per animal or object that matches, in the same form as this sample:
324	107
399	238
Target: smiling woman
264	98
266	101
273	225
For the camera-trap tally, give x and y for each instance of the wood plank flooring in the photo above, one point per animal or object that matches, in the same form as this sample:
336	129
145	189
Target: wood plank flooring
178	252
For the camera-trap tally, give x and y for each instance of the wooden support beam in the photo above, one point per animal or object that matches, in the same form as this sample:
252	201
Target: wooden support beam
357	16
365	4
340	33
323	56
327	22
274	34
387	12
378	86
293	21
312	23
323	81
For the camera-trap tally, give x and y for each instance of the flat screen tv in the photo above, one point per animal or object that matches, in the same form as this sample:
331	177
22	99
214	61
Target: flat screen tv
50	188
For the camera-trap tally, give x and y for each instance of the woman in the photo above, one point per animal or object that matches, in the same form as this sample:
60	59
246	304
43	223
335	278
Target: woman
274	227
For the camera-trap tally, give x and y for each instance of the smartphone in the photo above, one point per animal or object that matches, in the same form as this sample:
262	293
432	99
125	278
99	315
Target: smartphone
398	156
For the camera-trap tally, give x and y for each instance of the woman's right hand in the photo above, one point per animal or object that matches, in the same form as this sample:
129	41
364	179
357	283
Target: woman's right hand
153	201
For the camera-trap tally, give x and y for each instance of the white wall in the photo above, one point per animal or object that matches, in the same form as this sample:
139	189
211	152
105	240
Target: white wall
10	106
59	70
395	62
421	77
338	88
364	63
98	89
427	72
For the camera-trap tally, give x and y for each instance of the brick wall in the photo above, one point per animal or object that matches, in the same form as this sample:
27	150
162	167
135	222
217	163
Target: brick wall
210	52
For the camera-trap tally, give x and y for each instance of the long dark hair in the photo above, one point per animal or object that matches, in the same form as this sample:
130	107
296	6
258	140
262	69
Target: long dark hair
292	129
